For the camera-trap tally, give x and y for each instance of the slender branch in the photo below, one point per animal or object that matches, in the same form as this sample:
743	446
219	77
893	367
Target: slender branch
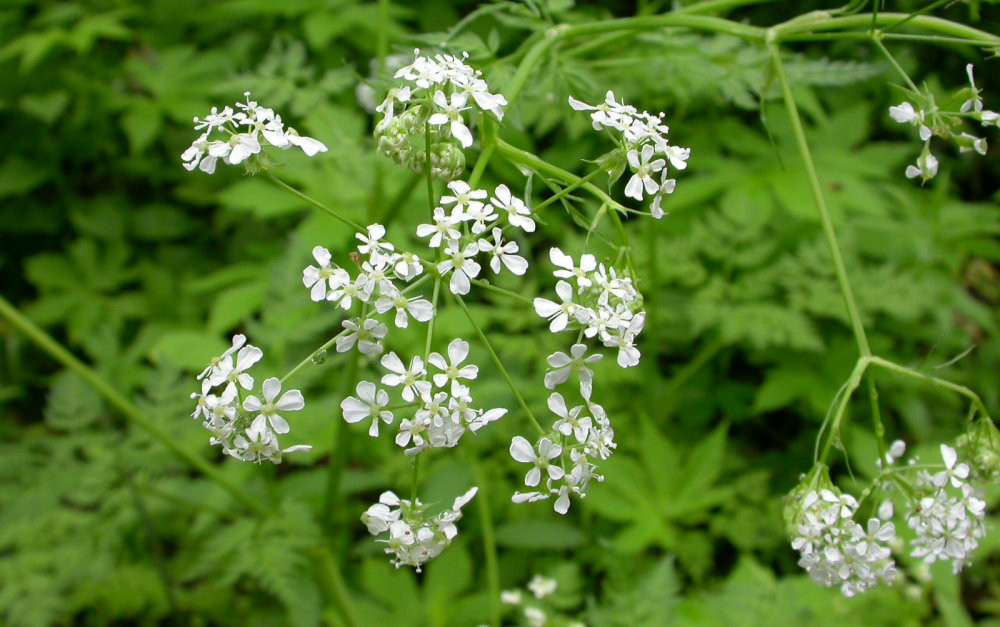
489	539
315	203
499	365
132	413
486	285
338	456
566	190
783	32
877	39
974	398
312	356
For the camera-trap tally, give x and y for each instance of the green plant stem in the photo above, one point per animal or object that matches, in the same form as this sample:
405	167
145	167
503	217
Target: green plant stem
486	285
132	413
338	456
790	29
866	35
961	390
428	174
499	365
566	190
534	162
308	360
923	11
877	39
830	234
489	140
315	203
489	538
333	582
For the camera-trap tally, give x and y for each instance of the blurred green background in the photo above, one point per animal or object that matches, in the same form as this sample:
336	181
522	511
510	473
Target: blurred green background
145	270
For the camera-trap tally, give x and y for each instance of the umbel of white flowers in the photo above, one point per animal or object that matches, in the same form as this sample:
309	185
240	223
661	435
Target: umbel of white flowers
944	510
239	136
247	430
431	112
932	121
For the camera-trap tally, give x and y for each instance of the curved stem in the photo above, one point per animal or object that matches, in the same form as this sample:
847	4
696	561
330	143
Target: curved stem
784	32
132	413
974	398
499	365
315	203
313	355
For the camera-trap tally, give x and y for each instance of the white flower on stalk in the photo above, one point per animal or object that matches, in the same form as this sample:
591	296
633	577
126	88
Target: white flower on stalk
503	253
409	378
926	168
559	314
904	113
369	403
628	354
232	374
379	516
268	409
407	265
453	370
570	422
387	108
666	187
451	113
318	280
974	103
522	451
464	198
562	365
518	213
343	293
956	474
643	169
542	587
371	243
443	228
569	270
420	308
480	215
461	265
479	90
367	334
214	366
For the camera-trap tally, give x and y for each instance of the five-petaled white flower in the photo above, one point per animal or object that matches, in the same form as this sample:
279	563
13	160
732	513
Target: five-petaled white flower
503	252
370	403
452	370
563	365
518	213
522	451
409	378
290	401
461	265
451	113
643	172
559	314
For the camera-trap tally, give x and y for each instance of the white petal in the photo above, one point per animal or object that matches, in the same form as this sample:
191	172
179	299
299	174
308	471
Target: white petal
521	450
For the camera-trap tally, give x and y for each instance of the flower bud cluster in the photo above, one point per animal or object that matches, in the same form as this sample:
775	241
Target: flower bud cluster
642	137
458	233
414	537
595	298
246	428
241	135
433	100
932	120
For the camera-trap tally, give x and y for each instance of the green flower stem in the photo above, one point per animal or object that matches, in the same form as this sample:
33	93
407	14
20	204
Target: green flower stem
415	479
790	29
974	398
566	190
431	199
308	360
489	140
877	39
867	35
499	365
489	538
132	413
525	158
333	582
430	323
338	454
315	203
925	10
486	285
839	268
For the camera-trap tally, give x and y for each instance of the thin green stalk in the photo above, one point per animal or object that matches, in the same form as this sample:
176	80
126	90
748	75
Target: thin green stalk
338	456
499	365
489	134
877	39
132	413
430	323
974	398
489	539
839	268
428	174
784	32
866	35
927	9
331	579
312	356
315	203
499	290
841	407
566	190
415	479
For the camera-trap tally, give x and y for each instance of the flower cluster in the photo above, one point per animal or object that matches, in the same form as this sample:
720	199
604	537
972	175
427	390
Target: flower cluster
440	405
535	610
597	300
458	229
241	134
380	266
948	518
643	136
932	120
835	550
246	428
427	113
414	536
942	508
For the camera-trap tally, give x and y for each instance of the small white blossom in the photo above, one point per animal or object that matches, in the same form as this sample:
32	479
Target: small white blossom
369	403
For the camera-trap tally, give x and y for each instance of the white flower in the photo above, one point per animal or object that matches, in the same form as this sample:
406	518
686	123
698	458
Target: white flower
452	370
464	197
926	168
372	242
238	341
233	374
343	291
479	90
308	145
588	263
367	335
402	94
522	451
541	587
974	103
323	277
464	266
569	422
451	113
903	113
443	228
409	378
955	474
562	365
481	215
421	309
503	252
370	403
268	410
643	172
518	213
559	314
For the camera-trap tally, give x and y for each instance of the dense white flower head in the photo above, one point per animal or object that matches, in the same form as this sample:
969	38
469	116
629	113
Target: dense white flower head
641	137
236	135
414	537
246	430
